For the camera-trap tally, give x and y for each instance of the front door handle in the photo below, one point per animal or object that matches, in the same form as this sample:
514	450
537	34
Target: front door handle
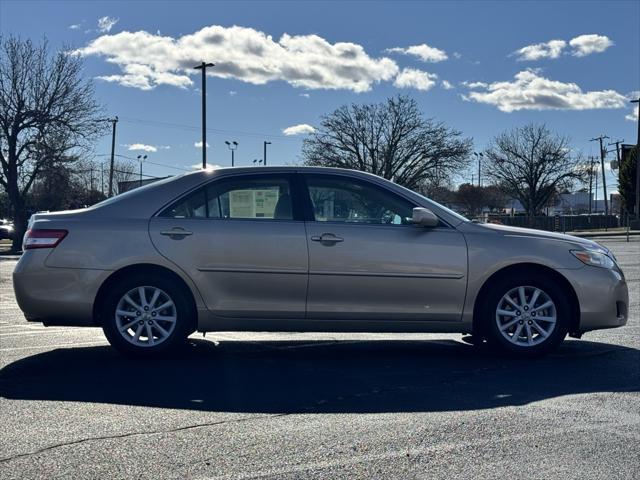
327	238
176	233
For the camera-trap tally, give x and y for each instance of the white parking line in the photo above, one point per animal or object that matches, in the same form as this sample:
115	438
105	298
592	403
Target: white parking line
47	347
29	334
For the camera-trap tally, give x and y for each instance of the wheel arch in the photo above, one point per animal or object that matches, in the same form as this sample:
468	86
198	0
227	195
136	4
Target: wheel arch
149	269
523	268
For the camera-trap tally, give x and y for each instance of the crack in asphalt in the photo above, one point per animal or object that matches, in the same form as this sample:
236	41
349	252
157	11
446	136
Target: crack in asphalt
135	434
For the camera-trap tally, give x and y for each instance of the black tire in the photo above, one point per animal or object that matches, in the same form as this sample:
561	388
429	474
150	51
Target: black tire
170	343
491	330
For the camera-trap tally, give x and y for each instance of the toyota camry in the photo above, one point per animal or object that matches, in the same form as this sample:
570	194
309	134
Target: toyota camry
307	249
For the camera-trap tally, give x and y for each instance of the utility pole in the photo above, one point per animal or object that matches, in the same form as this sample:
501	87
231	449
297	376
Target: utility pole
264	157
637	164
617	144
203	66
603	152
113	121
591	159
595	197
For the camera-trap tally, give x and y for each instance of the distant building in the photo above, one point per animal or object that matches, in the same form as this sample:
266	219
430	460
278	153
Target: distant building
570	203
566	204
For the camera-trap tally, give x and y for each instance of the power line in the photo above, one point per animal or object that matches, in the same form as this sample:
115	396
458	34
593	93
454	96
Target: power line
183	126
146	161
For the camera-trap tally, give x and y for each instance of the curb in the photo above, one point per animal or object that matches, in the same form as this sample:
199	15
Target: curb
632	233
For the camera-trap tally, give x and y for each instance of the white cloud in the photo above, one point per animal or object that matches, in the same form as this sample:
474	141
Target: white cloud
141	147
530	91
447	85
633	116
232	93
75	26
588	44
418	79
457	55
199	144
475	84
305	95
105	24
581	45
301	129
550	49
307	61
423	51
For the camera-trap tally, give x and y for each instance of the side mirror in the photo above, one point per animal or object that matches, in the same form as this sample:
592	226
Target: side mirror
424	217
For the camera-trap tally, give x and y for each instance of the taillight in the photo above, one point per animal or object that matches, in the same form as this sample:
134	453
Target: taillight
43	238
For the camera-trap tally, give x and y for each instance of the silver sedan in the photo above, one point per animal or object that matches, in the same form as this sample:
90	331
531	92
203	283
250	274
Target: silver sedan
307	249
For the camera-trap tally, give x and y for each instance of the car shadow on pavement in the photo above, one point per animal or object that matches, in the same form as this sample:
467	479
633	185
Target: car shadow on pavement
323	377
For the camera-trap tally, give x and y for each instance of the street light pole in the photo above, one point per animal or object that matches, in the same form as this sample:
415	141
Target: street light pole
637	164
264	157
203	66
603	152
479	156
141	158
232	146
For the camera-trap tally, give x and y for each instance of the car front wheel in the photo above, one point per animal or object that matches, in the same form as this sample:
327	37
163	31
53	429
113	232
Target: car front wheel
146	316
526	315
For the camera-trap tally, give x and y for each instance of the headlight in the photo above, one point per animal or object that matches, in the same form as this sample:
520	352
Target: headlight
593	258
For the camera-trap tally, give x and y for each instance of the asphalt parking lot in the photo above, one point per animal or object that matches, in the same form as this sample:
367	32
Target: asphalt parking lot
242	405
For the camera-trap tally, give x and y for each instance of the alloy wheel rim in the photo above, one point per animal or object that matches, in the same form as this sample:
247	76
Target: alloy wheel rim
526	316
146	316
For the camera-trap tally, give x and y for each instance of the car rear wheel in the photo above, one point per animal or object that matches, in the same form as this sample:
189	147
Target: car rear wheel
146	316
526	315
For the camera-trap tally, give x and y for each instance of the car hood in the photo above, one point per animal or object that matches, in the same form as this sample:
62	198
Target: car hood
533	233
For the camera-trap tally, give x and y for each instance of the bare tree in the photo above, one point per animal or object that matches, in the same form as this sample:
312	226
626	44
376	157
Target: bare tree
472	198
47	117
123	171
531	164
391	139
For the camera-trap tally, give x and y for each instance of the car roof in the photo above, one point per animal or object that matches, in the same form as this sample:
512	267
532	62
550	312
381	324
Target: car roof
145	201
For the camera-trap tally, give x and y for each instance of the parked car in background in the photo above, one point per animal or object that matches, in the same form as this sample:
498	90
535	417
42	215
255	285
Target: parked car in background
6	229
307	249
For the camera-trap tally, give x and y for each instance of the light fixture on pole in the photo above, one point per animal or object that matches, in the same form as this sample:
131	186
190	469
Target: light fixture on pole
232	146
255	160
203	66
141	158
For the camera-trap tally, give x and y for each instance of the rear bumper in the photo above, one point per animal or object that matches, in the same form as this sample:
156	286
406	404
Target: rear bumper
603	296
55	296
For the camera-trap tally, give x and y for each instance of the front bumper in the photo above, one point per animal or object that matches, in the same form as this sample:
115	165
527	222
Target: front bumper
55	296
603	297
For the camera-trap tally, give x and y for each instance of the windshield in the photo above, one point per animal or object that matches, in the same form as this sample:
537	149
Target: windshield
448	210
438	205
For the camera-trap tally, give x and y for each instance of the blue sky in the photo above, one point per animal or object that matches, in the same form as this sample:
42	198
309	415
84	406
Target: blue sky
480	67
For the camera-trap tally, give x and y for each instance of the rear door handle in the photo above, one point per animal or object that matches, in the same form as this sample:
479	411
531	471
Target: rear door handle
176	232
327	238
